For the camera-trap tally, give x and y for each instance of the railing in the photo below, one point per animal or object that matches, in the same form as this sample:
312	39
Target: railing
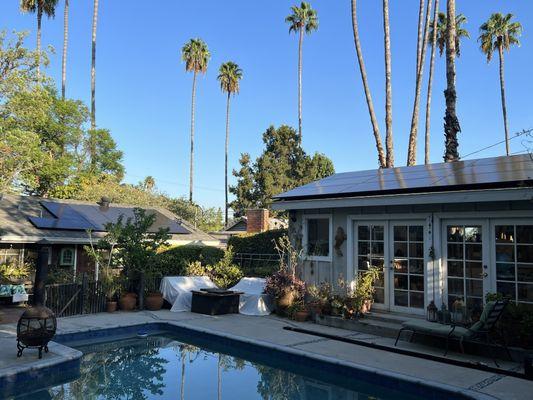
260	265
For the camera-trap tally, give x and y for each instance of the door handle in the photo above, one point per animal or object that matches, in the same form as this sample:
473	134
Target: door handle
484	274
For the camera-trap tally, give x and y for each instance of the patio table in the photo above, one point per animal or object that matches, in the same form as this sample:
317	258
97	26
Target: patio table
215	301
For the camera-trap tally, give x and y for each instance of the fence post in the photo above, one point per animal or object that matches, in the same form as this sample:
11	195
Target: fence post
141	291
83	292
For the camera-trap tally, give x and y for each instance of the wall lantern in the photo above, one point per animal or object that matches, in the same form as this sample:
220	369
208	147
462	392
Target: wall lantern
432	312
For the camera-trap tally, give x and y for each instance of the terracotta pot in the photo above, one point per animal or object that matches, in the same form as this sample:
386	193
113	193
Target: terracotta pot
366	306
130	294
153	301
301	316
111	306
127	303
286	299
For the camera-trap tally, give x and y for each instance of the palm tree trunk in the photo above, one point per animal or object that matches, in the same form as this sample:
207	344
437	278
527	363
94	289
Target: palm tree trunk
504	107
93	66
191	165
39	19
413	135
419	36
65	45
182	384
300	43
388	87
219	378
226	159
381	154
430	82
451	122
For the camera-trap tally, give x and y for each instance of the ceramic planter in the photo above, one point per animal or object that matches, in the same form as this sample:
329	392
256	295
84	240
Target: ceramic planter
286	299
111	306
301	316
128	301
153	301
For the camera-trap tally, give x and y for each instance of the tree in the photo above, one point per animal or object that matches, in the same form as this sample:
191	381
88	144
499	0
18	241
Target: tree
499	34
65	45
229	76
303	18
196	56
451	122
103	156
438	39
93	65
39	6
382	162
388	87
421	60
282	166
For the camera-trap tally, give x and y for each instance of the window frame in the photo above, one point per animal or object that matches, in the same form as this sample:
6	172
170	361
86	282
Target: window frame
306	219
62	254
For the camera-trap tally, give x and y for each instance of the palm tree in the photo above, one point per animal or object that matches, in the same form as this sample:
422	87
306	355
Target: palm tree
303	18
47	7
421	60
196	56
65	45
499	34
451	122
388	87
375	127
93	66
229	76
438	39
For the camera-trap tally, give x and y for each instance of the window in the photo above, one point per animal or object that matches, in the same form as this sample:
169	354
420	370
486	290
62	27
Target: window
514	262
371	253
66	257
318	237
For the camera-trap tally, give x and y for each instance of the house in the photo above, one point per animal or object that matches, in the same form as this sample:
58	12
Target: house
438	232
26	221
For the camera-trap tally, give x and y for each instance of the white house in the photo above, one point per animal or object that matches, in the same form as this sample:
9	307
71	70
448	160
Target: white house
439	232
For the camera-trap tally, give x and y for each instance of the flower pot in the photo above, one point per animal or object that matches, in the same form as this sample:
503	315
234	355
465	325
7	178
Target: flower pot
366	306
127	302
153	301
111	306
286	299
301	316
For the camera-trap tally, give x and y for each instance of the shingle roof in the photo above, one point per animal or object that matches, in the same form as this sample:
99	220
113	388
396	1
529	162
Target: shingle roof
485	173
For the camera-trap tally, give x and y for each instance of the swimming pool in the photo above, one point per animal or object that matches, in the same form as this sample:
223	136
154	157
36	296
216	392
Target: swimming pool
178	364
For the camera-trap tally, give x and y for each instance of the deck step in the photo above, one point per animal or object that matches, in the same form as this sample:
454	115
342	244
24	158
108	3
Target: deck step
365	325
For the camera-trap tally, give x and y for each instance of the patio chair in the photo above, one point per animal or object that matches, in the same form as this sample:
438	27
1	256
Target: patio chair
177	290
481	330
253	301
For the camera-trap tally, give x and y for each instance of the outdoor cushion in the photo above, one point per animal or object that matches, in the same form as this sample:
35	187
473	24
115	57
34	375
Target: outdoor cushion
480	325
18	289
433	328
177	290
5	290
253	301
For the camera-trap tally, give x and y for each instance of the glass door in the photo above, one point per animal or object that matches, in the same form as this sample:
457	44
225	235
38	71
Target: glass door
407	267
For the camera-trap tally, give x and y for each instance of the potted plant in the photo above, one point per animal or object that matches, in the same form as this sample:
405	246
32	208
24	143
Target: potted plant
285	288
153	300
363	290
298	311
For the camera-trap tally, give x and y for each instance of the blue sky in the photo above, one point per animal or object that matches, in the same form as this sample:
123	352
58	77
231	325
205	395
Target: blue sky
143	91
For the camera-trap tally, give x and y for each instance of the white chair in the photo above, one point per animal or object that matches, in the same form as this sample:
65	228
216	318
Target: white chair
254	301
177	290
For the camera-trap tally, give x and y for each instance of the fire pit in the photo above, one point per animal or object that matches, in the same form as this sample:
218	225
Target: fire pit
36	327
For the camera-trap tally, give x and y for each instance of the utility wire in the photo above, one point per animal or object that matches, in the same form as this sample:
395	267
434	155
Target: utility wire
518	134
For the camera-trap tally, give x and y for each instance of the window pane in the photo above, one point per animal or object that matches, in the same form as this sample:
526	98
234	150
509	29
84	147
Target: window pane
505	272
416	233
455	251
363	248
473	269
416	266
473	252
416	250
377	232
507	289
400	249
525	292
473	234
416	282
524	234
378	263
474	288
363	263
377	249
401	298
524	253
455	234
455	268
400	233
379	296
525	272
455	287
400	281
504	233
417	300
318	237
363	232
504	253
400	266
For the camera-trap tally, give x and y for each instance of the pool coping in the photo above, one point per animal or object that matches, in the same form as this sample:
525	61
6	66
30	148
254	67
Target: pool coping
353	366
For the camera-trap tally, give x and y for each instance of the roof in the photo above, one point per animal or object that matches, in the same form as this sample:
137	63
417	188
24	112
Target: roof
485	173
240	225
29	219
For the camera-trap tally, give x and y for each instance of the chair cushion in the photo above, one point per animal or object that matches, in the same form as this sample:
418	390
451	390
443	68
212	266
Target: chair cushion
433	328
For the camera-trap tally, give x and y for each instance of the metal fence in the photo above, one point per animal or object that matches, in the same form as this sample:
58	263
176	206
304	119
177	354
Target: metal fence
259	265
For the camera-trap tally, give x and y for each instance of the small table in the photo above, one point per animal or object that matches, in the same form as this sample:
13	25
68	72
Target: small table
215	301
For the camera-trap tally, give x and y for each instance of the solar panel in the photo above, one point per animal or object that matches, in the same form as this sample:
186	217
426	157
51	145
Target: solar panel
468	174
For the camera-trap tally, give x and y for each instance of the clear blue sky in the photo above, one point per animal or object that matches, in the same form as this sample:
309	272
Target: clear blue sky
143	92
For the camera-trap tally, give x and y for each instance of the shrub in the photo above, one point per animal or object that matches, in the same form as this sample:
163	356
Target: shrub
224	273
281	282
259	243
174	261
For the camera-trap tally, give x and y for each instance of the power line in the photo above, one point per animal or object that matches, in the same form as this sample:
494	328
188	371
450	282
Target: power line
518	134
177	183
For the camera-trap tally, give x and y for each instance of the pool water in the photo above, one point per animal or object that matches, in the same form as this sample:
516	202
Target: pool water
163	367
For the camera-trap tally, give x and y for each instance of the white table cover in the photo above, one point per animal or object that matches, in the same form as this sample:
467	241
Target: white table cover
177	290
254	301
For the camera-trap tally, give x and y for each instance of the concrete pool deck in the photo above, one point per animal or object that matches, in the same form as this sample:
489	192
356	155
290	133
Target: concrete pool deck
269	332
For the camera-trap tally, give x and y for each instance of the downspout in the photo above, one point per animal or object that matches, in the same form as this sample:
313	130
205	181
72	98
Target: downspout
432	251
75	260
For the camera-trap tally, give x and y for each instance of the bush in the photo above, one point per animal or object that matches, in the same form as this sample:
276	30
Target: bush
175	260
224	273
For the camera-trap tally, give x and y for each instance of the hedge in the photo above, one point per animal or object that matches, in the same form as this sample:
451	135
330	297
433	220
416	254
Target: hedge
175	260
259	243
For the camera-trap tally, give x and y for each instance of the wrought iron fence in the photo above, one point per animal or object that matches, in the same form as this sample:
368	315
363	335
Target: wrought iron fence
259	265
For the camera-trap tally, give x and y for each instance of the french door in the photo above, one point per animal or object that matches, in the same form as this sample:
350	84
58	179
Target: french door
398	250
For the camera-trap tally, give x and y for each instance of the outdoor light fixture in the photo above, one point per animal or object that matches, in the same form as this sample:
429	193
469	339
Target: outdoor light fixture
432	311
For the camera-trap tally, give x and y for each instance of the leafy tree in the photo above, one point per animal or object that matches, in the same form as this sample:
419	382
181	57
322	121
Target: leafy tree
499	34
229	76
39	7
282	166
18	65
196	56
302	18
103	156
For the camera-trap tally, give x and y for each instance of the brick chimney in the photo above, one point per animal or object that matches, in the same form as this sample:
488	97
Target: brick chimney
257	220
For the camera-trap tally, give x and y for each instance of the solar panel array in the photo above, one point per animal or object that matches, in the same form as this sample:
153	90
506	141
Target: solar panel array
81	217
486	172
